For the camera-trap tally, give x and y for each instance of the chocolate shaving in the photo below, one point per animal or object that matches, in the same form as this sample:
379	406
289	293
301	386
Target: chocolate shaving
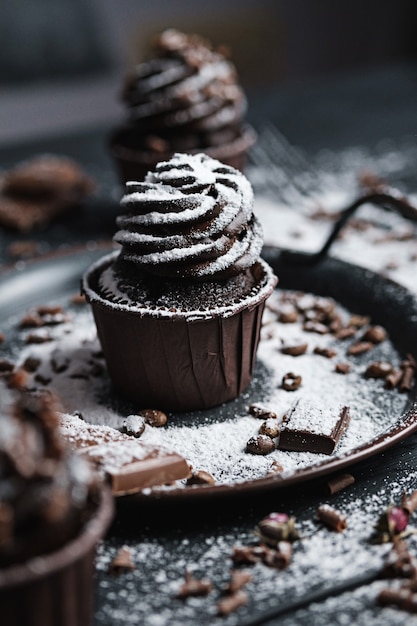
339	482
393	379
238	580
331	518
329	353
360	347
232	602
295	349
399	562
401	598
194	587
122	561
342	368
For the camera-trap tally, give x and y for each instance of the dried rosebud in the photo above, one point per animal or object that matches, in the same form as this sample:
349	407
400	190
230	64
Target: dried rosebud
277	527
391	524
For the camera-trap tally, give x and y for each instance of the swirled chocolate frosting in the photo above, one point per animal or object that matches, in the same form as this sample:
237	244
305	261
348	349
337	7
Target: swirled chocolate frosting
185	97
44	491
191	218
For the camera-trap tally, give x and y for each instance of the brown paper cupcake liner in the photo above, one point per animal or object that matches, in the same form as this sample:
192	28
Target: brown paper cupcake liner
56	589
133	165
174	363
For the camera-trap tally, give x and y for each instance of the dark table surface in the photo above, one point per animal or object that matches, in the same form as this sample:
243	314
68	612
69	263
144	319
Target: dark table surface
334	114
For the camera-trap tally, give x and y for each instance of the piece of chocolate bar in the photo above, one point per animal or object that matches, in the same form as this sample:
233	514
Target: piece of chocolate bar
128	464
309	427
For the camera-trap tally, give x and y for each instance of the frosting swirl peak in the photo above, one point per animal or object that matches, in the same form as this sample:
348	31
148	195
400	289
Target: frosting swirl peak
191	218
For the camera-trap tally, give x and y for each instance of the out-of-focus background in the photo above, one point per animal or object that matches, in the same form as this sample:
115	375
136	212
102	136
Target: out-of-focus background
61	61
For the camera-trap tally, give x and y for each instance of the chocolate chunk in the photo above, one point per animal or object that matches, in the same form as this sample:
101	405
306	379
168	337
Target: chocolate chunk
342	368
261	444
393	379
200	477
329	353
270	428
331	518
36	191
261	412
294	349
291	382
232	602
345	333
134	425
288	314
309	427
378	369
360	347
375	334
315	327
194	587
154	418
339	482
128	464
238	580
401	598
122	561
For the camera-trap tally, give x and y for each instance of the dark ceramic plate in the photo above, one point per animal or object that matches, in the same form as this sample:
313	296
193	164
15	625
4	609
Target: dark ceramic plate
359	290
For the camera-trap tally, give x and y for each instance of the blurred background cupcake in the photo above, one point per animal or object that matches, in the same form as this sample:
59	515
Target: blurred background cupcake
185	98
53	512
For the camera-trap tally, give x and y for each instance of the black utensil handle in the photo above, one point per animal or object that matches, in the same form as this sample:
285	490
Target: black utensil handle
387	198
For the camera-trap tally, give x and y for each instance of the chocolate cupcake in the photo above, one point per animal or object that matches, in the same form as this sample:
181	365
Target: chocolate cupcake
186	98
178	310
53	511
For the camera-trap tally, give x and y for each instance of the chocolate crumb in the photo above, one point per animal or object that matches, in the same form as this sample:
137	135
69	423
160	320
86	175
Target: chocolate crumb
294	349
359	321
38	338
31	364
378	369
360	347
122	561
78	299
2	337
342	368
331	518
291	382
345	333
261	412
232	602
339	482
401	598
315	327
134	425
399	562
375	334
154	418
270	428
238	580
288	315
329	353
200	477
261	444
393	379
276	468
194	587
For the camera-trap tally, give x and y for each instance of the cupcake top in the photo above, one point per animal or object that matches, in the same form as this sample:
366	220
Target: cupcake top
46	493
192	218
186	83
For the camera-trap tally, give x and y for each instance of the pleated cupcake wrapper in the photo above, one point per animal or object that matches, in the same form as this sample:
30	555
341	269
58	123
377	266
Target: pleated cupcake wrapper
134	164
56	589
176	364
